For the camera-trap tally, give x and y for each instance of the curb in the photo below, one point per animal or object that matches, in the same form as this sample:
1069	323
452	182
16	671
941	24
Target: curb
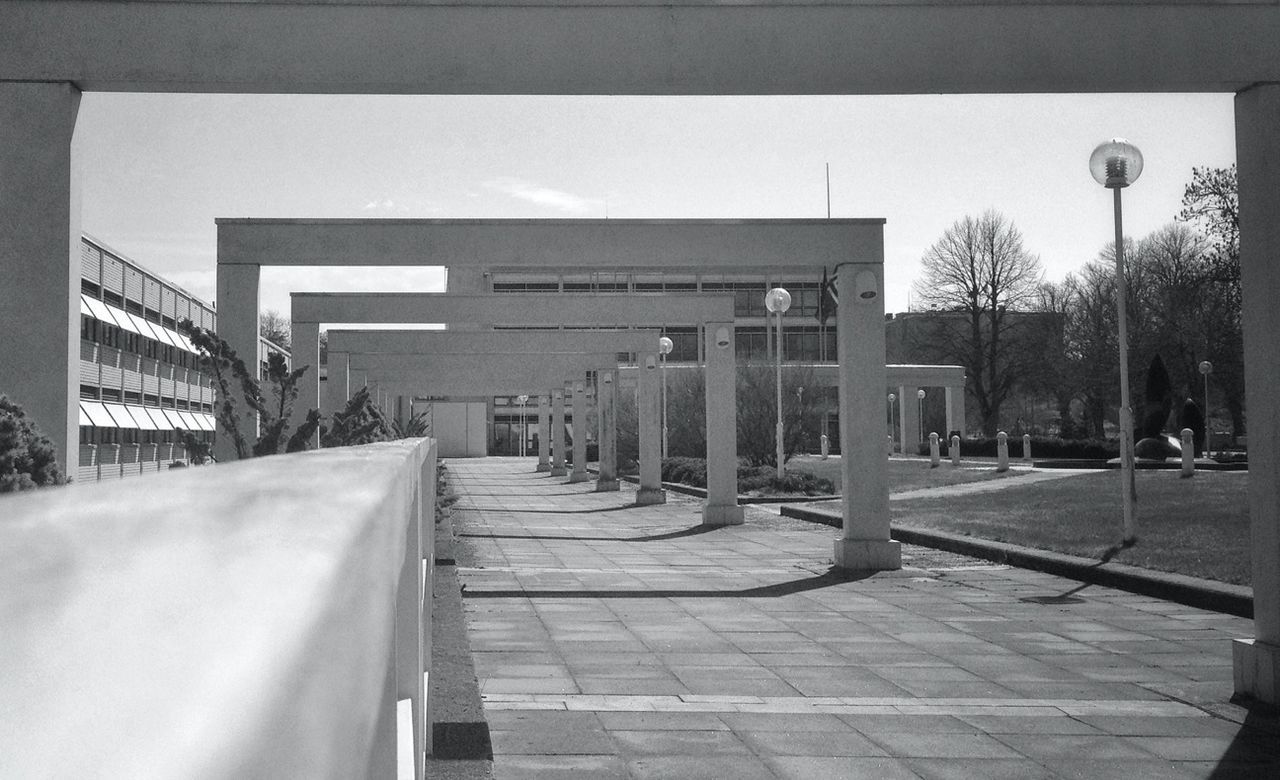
1191	591
689	490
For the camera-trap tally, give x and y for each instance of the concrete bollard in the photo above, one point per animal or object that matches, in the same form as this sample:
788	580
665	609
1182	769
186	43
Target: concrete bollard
888	445
955	450
826	446
1188	453
1026	446
1002	451
935	455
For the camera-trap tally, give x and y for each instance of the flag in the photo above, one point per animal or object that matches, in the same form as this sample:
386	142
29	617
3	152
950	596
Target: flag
827	300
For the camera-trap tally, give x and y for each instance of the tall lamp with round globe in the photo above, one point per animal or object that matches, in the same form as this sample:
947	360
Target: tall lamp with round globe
920	412
1206	368
778	300
1115	165
892	424
524	432
665	345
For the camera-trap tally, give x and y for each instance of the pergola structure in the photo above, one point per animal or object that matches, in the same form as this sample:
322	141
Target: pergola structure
51	50
309	310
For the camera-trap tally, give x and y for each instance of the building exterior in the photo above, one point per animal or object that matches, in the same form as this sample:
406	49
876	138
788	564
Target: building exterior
140	384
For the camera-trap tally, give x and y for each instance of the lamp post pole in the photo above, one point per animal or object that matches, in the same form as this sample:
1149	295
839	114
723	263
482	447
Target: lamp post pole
778	300
664	348
892	427
523	431
1206	368
1116	164
920	412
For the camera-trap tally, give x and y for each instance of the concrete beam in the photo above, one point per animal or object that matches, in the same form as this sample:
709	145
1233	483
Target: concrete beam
485	342
642	47
525	309
726	244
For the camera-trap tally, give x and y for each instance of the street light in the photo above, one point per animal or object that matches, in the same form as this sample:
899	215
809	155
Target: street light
778	300
1115	165
665	346
1206	368
523	430
920	412
892	397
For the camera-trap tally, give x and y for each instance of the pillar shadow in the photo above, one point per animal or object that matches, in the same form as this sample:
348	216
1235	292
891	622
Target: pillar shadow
683	532
827	579
1255	749
1069	596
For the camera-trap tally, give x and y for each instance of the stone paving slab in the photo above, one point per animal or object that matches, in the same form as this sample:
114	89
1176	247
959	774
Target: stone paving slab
614	640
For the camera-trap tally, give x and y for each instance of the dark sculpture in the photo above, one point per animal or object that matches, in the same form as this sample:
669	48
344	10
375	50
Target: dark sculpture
1191	417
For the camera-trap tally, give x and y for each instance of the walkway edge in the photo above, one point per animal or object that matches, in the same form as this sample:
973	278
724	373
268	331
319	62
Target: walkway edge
1192	591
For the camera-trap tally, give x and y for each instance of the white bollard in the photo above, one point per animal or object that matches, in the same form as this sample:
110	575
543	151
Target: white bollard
1002	451
888	445
935	456
1188	453
826	446
1026	446
955	450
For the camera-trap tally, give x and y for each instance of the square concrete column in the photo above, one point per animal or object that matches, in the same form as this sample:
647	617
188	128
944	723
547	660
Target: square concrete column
1257	660
544	433
722	427
238	326
305	351
864	543
606	399
649	421
40	260
579	473
338	387
908	416
955	411
557	433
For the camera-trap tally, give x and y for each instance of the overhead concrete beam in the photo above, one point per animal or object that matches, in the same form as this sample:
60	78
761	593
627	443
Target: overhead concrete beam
494	244
641	47
477	342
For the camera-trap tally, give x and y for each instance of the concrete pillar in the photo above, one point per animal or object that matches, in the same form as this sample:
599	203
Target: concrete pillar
40	259
305	351
909	417
1026	446
557	433
338	387
544	433
1002	451
1257	660
579	472
238	325
955	409
722	427
1188	453
935	451
649	414
606	399
864	543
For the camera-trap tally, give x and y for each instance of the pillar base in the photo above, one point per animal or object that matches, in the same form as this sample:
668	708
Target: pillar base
579	476
722	514
606	485
651	496
868	555
543	467
559	471
1257	669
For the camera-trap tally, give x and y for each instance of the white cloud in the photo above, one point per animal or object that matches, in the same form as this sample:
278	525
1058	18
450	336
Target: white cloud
558	200
385	206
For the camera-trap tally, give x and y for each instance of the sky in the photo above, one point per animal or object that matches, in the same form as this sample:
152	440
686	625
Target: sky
159	168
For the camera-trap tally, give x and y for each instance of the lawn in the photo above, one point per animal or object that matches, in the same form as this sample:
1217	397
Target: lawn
908	474
1198	526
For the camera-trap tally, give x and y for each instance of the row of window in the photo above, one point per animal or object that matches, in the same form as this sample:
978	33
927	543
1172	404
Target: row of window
108	335
90	434
114	395
748	296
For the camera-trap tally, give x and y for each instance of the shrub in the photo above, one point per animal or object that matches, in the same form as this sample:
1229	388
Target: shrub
686	471
764	479
27	457
1041	447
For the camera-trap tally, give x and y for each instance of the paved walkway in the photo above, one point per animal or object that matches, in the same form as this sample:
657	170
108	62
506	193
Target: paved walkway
616	641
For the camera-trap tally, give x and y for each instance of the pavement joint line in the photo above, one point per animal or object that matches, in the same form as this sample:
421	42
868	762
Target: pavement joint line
842	705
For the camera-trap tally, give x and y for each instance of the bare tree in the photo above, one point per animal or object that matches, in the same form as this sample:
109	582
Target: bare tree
275	327
980	271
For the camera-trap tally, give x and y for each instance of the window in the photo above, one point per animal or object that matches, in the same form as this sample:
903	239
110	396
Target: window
684	344
111	394
88	328
92	289
751	344
89	392
132	306
149	399
113	298
132	397
86	434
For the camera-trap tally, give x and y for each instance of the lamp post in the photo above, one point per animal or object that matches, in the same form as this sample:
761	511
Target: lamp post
1115	165
778	300
920	412
665	346
1206	368
523	431
892	427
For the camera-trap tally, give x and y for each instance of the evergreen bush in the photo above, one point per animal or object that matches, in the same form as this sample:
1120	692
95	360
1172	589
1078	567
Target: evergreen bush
28	459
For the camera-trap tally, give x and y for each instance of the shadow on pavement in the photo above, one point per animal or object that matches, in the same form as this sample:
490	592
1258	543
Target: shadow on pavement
832	577
683	532
1255	749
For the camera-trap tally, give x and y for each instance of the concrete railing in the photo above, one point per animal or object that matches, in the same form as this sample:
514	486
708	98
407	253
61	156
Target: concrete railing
267	618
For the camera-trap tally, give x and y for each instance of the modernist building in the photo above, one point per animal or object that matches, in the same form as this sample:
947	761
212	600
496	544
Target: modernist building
140	385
